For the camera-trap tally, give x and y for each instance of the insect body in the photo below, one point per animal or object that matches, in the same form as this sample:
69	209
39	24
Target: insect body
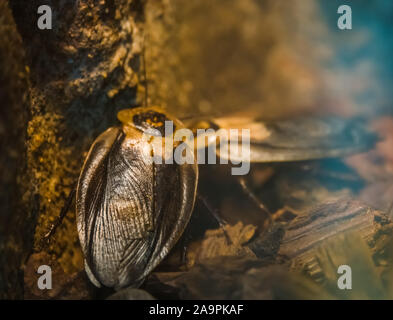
131	211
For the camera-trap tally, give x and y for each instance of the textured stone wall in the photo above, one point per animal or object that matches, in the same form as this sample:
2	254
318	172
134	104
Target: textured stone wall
15	214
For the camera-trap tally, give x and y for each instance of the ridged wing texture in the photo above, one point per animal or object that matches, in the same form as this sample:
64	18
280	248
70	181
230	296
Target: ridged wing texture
129	211
306	138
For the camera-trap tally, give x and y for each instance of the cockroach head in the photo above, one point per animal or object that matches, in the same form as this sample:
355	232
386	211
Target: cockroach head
145	118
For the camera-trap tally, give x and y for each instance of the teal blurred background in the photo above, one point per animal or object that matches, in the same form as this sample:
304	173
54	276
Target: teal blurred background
365	53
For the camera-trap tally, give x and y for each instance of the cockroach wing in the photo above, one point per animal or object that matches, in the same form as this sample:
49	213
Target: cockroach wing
130	211
302	138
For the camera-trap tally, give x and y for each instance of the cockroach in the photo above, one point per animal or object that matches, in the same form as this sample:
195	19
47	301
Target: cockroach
131	211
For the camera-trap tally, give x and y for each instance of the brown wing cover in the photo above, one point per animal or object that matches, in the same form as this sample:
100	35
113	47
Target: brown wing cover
130	211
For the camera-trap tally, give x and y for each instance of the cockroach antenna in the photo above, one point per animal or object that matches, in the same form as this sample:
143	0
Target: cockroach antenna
144	68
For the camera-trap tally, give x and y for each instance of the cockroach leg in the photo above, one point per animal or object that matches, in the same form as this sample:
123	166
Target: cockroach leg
184	246
60	218
248	191
215	213
184	259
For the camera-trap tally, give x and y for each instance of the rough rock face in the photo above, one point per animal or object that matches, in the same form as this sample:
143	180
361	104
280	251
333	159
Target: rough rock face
14	215
82	71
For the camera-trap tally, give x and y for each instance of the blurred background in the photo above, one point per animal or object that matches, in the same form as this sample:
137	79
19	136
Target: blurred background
278	58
